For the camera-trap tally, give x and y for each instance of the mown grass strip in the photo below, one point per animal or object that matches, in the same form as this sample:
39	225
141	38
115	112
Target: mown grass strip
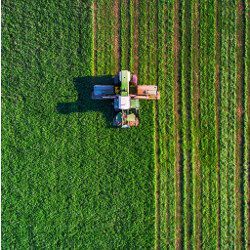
228	126
131	35
152	77
94	25
223	130
117	37
186	122
135	34
170	142
195	126
161	51
125	22
166	124
208	150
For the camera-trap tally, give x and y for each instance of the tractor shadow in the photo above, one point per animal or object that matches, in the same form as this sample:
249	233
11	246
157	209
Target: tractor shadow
84	103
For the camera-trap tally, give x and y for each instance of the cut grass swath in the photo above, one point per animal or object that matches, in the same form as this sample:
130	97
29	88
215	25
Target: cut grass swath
125	23
223	130
166	129
170	141
162	127
195	126
208	150
152	77
186	122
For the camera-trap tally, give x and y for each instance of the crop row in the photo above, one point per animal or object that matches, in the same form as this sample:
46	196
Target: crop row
195	126
228	126
166	124
208	148
186	122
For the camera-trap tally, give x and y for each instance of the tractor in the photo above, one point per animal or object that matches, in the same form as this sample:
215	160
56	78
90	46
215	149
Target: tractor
125	93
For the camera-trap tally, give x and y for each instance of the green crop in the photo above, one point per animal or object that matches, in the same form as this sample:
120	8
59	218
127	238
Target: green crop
72	181
208	150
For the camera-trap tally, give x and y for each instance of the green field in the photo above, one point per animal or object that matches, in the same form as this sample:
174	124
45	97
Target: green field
72	181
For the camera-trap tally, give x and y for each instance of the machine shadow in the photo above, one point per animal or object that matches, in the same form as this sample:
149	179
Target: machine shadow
84	103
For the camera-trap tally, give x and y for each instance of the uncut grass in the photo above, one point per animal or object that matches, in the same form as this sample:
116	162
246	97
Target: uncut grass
70	181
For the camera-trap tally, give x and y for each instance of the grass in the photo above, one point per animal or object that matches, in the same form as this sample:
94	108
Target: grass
195	126
70	180
208	150
186	122
60	191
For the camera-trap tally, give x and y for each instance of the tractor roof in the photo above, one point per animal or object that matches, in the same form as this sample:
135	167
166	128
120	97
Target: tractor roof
124	77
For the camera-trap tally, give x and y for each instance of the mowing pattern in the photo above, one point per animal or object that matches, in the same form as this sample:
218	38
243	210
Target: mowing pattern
180	180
